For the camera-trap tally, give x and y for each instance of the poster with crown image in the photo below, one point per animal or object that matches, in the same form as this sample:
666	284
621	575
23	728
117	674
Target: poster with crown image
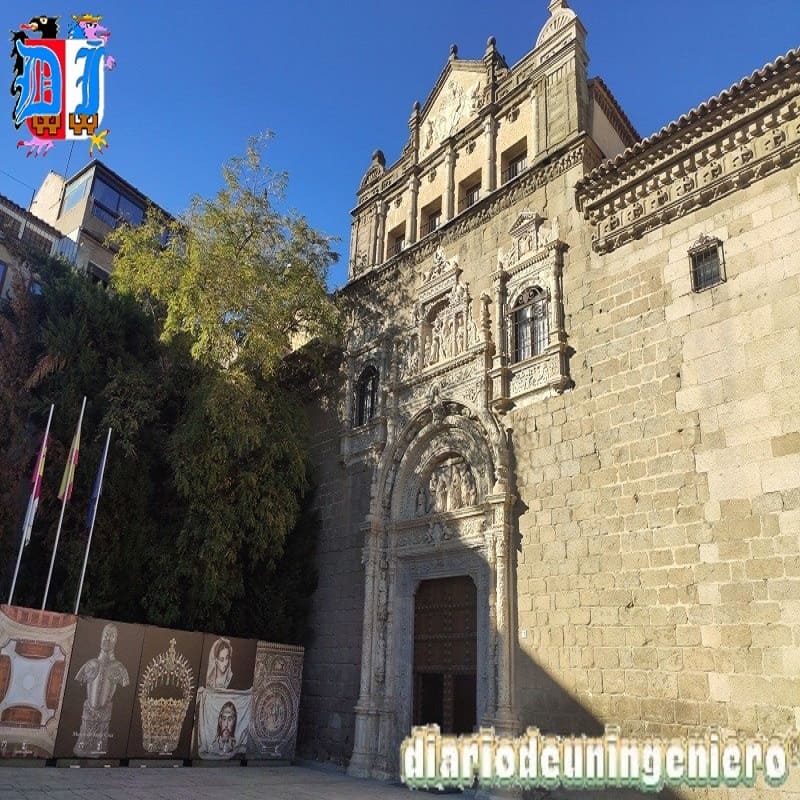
100	690
163	711
222	717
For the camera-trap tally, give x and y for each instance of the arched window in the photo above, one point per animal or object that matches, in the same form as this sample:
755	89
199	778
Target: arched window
531	323
366	396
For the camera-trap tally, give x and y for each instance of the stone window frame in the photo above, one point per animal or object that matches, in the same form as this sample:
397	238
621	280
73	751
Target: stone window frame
365	396
704	247
470	190
535	297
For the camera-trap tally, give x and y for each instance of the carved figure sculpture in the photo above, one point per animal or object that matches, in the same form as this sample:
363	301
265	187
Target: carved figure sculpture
422	502
470	490
455	488
441	493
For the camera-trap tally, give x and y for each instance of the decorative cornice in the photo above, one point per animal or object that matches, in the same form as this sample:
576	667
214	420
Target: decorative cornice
738	137
605	174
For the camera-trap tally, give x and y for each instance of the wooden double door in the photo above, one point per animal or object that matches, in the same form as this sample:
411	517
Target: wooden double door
445	654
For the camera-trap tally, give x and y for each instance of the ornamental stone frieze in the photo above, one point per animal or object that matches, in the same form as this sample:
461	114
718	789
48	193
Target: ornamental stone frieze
719	148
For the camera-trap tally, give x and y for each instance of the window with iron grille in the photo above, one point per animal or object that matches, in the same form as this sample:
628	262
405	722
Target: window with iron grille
432	223
471	196
531	329
397	246
708	264
366	396
515	166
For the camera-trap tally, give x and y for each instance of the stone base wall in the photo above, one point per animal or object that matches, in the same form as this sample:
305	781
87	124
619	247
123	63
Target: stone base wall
333	651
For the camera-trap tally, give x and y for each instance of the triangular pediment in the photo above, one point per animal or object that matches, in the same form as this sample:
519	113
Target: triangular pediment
454	102
526	221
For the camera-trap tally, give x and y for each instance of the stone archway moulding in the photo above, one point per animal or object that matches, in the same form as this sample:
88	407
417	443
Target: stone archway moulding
407	542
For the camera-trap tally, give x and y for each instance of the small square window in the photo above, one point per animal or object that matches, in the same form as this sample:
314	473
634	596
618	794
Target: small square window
708	263
515	167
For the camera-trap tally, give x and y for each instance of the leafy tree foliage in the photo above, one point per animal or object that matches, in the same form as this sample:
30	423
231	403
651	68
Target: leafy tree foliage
202	523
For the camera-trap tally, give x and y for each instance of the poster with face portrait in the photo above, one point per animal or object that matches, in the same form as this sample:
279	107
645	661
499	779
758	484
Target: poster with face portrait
163	708
35	649
224	698
100	690
276	701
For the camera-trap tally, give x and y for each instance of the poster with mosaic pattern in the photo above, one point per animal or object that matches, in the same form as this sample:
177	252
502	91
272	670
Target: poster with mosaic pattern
276	701
35	648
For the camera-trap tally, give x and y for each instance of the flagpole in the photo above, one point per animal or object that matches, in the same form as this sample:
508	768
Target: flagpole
28	513
60	520
96	502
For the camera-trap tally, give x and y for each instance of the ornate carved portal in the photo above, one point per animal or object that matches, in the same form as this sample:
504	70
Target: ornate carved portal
440	508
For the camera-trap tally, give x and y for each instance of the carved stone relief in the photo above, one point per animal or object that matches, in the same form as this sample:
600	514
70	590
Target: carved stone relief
455	104
665	193
444	328
449	486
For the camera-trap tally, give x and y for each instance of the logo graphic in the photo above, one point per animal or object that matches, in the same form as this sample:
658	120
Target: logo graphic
59	84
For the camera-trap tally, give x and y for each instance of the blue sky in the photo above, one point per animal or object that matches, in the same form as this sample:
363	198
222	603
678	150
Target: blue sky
334	81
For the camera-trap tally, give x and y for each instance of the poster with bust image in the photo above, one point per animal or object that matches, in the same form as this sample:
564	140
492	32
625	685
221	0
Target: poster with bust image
163	709
100	689
222	716
35	649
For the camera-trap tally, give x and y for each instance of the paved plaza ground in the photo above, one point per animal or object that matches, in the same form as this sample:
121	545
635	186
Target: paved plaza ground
225	783
201	783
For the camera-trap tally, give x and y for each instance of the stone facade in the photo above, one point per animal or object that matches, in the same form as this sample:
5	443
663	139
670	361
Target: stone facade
625	493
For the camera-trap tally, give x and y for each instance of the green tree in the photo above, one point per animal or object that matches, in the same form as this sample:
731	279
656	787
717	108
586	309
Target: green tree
243	285
244	281
201	524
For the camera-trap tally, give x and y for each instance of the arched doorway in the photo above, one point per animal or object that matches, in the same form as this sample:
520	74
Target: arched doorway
439	516
445	654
